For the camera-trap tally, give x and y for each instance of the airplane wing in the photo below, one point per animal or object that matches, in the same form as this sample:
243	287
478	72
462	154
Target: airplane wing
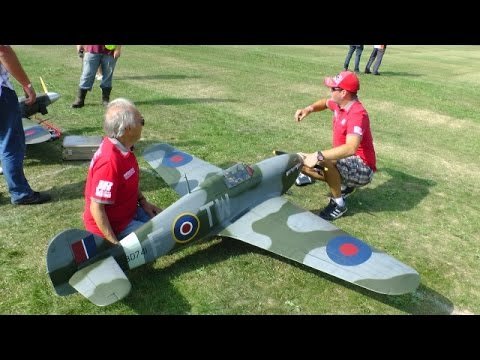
285	229
173	165
34	132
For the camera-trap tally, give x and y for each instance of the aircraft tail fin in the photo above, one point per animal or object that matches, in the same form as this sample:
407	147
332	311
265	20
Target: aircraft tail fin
66	253
78	260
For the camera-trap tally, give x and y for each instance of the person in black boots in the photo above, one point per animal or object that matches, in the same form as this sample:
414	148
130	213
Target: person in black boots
94	56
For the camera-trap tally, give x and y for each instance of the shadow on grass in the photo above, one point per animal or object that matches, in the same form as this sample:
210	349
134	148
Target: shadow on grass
401	192
183	101
424	301
153	293
158	76
392	73
153	290
46	153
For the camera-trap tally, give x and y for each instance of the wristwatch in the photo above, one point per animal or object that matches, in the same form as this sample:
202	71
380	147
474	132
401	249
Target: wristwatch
320	156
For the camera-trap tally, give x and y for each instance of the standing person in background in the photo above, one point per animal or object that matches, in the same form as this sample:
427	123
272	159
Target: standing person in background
81	51
377	53
358	49
12	135
95	56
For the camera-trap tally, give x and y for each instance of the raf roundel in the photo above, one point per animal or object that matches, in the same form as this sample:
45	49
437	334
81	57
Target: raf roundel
348	251
176	159
185	227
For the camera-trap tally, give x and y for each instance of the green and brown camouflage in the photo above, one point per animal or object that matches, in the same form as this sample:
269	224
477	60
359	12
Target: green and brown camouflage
243	202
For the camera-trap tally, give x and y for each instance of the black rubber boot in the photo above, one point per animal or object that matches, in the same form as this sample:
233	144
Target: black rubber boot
106	96
80	100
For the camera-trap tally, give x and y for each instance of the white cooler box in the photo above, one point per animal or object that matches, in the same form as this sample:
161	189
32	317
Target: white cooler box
77	147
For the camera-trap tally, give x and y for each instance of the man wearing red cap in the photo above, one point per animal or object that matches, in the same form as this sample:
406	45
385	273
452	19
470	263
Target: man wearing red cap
351	162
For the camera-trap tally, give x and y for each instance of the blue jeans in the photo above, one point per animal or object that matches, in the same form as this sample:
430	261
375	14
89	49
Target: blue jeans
12	146
140	218
91	62
358	49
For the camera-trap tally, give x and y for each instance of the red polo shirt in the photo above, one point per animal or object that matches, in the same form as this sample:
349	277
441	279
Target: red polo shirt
112	180
98	49
353	120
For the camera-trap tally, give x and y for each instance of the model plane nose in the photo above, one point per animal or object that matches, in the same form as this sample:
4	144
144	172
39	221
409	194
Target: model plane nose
53	96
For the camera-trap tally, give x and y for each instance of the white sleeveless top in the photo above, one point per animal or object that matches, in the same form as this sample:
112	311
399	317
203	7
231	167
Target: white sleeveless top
4	79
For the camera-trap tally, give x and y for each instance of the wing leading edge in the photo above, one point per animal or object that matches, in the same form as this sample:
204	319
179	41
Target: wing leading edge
285	229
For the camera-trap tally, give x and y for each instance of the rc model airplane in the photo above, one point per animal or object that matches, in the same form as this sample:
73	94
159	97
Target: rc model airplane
243	202
34	131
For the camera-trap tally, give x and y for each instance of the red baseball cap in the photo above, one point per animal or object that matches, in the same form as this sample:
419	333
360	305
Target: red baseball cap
346	80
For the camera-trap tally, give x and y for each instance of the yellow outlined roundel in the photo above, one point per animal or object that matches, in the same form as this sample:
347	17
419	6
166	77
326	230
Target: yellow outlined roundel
185	227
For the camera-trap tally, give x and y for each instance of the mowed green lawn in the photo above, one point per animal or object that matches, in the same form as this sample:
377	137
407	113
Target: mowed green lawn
226	104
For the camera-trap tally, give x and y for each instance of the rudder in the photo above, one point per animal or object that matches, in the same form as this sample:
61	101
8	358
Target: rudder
63	259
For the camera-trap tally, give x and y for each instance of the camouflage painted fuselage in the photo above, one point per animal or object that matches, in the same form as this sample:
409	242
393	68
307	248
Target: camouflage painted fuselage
205	211
210	207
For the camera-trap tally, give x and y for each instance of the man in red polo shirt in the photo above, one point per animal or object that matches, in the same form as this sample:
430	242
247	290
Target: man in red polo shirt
351	162
114	204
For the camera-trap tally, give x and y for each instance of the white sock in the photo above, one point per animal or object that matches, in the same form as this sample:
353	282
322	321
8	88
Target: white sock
340	201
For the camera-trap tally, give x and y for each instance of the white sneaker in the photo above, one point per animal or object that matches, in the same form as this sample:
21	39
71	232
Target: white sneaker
99	77
1	170
303	179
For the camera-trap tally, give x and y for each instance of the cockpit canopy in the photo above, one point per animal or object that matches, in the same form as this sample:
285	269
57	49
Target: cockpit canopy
237	174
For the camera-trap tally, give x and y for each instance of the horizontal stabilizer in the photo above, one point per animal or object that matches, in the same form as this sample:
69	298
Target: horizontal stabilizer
34	132
102	282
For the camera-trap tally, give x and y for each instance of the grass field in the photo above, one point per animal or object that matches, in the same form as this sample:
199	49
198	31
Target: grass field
236	103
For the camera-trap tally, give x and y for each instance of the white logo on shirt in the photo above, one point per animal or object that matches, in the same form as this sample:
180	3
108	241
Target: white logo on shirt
357	130
103	189
129	173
